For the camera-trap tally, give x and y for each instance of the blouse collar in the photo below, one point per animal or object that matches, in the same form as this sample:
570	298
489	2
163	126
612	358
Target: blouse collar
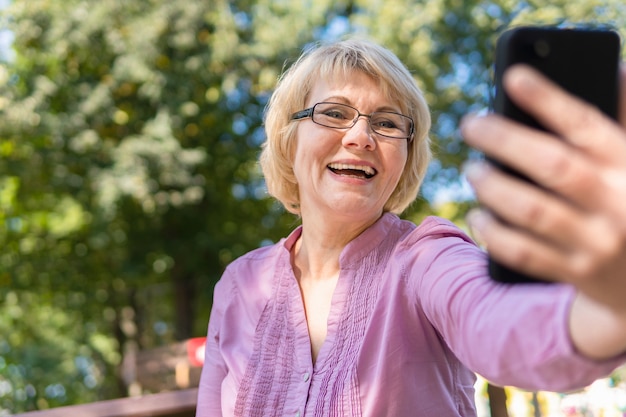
369	240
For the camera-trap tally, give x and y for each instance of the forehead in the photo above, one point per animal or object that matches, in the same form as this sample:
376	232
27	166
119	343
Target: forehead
354	87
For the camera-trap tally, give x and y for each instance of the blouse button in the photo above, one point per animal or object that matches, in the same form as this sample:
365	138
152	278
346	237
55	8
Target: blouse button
306	377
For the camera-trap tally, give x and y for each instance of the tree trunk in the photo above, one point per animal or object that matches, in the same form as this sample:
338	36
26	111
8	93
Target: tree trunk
497	401
184	298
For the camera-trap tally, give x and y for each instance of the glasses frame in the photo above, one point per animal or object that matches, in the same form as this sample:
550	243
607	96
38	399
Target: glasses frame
308	113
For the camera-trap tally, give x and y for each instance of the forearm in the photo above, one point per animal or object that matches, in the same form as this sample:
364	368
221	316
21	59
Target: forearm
521	337
511	335
596	331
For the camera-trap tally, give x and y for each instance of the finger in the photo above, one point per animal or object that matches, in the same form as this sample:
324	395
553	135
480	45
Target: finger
576	121
541	214
517	250
522	205
532	255
543	158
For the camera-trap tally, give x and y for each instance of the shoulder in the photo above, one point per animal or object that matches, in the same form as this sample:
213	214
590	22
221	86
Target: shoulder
438	228
247	284
407	238
252	267
257	257
437	248
433	234
394	228
256	270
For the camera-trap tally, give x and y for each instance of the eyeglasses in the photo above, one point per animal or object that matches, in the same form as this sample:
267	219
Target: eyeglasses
341	116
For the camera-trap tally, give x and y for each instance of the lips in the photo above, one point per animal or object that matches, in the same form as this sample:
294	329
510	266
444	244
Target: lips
351	170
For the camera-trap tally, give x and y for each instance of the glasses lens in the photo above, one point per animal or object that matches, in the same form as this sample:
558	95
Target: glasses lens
334	115
342	116
393	125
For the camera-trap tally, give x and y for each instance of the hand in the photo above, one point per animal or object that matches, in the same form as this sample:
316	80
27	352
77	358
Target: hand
572	228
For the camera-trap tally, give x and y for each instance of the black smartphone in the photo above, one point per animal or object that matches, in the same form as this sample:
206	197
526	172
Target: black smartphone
582	60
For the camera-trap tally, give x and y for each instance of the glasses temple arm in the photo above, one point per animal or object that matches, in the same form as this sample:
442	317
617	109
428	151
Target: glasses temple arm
302	114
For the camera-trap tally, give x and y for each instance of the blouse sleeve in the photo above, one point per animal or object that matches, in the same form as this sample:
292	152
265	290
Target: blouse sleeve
510	334
214	368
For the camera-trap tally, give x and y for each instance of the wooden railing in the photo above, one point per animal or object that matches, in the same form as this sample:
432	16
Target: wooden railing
166	404
172	371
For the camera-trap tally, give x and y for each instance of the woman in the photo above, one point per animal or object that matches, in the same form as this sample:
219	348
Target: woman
359	313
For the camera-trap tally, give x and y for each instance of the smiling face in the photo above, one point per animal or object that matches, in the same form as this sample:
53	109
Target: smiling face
347	174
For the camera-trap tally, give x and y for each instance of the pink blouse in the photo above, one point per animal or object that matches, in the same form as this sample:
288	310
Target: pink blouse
413	316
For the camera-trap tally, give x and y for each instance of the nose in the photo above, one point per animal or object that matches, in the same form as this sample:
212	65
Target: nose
360	135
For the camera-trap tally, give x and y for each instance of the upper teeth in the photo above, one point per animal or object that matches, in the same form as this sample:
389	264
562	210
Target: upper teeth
368	170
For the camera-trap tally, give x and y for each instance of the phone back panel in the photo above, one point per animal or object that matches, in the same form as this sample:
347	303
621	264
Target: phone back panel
583	61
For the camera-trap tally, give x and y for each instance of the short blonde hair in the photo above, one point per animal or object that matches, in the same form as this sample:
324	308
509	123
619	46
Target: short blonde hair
328	62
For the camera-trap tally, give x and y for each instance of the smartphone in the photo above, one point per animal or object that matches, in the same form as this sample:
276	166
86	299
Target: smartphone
583	61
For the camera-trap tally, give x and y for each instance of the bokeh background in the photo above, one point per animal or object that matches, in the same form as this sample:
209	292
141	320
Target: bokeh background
129	137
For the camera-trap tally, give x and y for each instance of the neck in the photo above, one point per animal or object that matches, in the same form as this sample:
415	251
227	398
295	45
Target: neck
316	253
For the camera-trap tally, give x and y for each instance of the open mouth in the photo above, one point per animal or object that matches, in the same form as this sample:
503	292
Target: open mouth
356	171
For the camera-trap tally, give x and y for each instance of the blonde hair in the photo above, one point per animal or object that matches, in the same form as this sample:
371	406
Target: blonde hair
339	60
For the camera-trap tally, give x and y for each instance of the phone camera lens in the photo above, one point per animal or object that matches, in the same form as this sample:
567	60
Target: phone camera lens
542	48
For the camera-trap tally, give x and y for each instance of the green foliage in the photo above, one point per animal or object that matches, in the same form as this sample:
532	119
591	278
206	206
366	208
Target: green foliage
50	356
129	132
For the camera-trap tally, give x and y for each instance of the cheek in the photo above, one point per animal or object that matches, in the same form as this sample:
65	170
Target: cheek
312	145
296	148
399	164
398	161
304	159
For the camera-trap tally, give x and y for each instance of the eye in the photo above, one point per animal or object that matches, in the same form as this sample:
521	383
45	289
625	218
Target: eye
335	114
385	124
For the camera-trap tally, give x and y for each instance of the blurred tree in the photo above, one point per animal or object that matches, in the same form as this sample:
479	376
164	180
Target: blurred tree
129	132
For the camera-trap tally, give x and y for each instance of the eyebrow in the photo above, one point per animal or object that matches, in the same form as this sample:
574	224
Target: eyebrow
345	100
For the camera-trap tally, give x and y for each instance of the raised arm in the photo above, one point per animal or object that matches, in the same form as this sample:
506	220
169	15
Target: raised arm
573	227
